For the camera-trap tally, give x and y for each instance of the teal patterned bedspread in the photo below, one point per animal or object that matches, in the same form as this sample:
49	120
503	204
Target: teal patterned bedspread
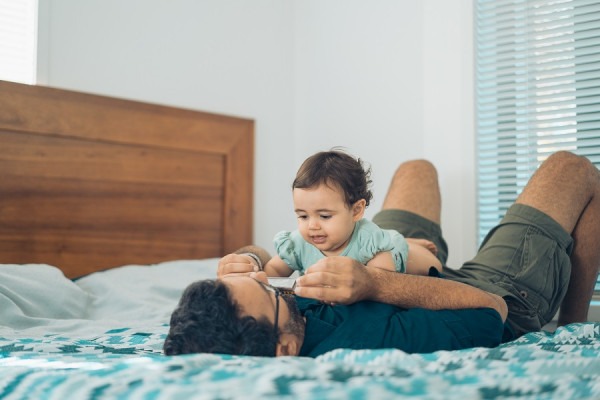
94	356
126	363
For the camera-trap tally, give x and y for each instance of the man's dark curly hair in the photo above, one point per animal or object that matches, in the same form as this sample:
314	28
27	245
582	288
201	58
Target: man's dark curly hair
337	168
207	320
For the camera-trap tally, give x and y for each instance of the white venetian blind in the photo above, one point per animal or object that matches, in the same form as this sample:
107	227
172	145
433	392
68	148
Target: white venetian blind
537	92
18	31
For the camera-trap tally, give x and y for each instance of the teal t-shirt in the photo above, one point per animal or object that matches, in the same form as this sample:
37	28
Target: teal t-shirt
371	325
367	240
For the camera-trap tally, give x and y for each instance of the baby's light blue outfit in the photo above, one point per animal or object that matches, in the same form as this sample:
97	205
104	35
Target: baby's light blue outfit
367	240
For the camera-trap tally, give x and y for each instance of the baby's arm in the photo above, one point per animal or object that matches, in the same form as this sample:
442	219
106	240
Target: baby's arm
277	267
428	244
421	256
383	260
420	259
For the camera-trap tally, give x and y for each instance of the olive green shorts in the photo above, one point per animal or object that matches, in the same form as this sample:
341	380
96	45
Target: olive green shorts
524	259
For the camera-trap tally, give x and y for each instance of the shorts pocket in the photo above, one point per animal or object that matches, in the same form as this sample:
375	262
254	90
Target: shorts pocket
532	268
540	273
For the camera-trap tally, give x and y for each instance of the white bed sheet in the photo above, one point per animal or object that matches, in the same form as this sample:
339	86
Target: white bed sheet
38	297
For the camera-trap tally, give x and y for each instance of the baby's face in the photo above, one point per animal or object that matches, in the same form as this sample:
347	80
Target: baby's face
324	219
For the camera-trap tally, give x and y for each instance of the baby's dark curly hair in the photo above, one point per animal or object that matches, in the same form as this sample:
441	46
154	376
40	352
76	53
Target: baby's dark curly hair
207	320
335	167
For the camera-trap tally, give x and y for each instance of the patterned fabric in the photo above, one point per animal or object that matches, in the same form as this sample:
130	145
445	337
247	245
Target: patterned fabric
51	347
127	363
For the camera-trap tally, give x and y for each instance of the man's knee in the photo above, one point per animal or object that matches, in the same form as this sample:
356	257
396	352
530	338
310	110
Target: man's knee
418	167
569	163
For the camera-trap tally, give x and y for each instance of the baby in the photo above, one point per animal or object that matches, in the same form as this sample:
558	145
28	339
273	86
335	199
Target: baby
331	192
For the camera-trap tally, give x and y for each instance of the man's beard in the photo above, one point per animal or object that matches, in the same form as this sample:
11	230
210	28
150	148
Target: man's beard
295	324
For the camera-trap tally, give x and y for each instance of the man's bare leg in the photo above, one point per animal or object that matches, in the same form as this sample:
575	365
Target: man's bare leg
567	188
415	188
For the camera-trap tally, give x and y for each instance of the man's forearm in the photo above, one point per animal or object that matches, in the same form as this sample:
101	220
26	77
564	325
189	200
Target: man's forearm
409	291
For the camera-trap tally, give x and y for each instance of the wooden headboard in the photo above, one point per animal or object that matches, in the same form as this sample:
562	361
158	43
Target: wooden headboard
90	182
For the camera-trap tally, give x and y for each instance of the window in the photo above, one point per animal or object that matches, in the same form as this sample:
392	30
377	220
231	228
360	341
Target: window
18	31
537	92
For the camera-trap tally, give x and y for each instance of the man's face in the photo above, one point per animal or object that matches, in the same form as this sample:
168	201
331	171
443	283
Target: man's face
255	298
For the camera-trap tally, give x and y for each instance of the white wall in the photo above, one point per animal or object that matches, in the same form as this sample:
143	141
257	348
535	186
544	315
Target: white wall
389	80
226	56
359	82
449	131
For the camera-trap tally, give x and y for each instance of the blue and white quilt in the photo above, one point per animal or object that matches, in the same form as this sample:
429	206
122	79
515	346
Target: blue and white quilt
101	337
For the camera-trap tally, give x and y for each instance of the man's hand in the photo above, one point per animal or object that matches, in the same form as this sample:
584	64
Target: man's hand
236	264
335	280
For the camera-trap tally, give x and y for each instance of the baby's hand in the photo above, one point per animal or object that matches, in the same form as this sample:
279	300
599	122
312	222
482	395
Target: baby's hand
428	244
236	264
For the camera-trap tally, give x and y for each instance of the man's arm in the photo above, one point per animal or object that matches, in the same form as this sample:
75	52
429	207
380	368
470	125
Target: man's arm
342	280
411	291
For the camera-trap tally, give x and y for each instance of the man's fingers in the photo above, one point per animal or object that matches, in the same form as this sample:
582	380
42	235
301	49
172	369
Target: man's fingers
317	267
316	285
259	276
320	293
339	280
316	278
236	274
325	294
239	267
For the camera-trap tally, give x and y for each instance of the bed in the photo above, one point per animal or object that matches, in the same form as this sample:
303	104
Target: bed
110	207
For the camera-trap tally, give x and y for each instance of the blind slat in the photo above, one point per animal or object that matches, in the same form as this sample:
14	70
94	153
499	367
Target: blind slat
556	39
528	15
521	73
494	7
504	101
491	34
529	123
583	129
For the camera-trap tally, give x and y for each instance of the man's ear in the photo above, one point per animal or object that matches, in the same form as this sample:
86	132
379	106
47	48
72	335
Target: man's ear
287	346
358	209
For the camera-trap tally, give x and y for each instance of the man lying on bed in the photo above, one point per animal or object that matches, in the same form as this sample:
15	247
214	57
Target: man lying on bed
544	254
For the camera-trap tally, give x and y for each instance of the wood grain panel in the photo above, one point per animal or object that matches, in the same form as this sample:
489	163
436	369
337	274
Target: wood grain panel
81	256
35	109
90	182
45	156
